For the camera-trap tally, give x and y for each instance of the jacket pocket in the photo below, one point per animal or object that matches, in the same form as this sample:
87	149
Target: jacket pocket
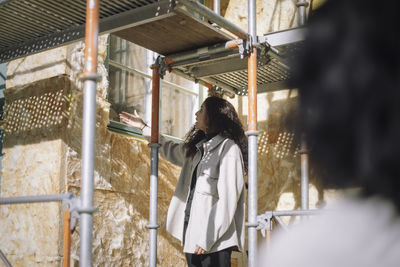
207	181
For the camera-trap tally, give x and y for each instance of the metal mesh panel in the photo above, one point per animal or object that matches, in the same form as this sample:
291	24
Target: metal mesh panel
23	20
270	73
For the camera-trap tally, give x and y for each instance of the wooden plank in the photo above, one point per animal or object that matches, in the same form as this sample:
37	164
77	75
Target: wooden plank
177	33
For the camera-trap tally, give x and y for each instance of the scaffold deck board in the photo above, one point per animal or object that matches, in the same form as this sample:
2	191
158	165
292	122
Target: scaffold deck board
176	33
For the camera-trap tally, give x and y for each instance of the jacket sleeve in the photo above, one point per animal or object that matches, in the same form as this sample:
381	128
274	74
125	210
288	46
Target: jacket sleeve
172	151
230	186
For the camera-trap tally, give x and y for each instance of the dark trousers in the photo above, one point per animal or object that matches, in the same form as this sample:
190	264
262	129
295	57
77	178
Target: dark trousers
217	259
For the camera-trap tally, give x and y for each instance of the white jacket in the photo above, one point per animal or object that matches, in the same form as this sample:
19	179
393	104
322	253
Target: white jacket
217	213
354	232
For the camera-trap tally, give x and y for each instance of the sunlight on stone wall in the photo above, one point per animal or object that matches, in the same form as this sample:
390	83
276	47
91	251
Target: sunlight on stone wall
36	101
43	156
121	175
272	15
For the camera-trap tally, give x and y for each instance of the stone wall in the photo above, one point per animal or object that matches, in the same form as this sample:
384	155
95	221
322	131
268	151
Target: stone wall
121	175
43	156
36	101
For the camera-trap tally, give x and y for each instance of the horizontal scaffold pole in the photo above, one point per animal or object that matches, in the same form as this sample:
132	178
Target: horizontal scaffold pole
34	199
203	53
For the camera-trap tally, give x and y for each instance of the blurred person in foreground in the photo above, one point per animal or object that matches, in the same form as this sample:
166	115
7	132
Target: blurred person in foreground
348	76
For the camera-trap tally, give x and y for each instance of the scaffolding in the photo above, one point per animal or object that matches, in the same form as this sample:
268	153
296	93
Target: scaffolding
207	55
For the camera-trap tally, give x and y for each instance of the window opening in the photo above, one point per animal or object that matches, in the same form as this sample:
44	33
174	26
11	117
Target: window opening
130	90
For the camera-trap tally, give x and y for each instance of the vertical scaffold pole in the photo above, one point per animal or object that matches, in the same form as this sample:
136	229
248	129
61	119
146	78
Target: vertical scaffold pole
67	239
154	145
252	136
304	174
216	7
90	78
302	5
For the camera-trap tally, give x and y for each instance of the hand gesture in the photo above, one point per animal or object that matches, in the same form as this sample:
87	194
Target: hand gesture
132	119
199	250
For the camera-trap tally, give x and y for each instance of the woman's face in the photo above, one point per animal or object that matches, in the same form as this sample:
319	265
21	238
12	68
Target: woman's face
201	119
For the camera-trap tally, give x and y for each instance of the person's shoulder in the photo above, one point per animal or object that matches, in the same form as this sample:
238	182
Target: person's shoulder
337	237
231	147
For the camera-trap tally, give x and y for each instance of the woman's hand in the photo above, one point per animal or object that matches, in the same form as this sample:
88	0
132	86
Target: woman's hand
132	119
199	250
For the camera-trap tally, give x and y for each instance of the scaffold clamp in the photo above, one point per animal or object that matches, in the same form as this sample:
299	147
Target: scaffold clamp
162	66
264	223
74	206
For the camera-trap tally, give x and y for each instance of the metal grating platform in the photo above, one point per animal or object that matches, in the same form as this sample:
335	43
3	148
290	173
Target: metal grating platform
230	71
30	26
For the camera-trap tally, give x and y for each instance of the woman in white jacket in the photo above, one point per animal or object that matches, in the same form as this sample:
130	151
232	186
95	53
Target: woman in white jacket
206	212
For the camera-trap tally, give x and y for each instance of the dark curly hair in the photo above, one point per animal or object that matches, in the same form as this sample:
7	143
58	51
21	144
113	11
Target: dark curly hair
348	76
222	119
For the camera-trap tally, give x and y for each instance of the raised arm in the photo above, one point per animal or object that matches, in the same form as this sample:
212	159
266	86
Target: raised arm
172	151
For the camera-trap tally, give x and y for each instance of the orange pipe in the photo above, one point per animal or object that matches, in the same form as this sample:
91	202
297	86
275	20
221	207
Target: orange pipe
252	96
209	85
232	44
67	239
91	33
155	104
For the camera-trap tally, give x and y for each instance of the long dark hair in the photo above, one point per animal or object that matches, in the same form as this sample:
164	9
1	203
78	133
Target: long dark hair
222	119
348	76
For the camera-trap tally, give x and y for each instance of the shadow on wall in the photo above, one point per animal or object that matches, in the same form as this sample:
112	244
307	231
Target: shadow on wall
122	171
36	112
52	109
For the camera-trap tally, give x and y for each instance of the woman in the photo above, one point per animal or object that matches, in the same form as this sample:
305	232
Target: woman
206	212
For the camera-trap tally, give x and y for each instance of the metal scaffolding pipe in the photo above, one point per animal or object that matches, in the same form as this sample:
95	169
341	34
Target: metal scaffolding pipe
153	214
88	131
4	259
302	5
252	133
216	7
252	198
202	53
207	82
145	75
280	222
155	105
67	239
35	199
209	14
295	212
304	175
252	28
